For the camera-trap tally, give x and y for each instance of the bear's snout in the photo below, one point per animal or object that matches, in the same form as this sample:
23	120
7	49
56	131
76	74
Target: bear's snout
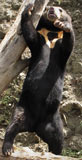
51	14
51	10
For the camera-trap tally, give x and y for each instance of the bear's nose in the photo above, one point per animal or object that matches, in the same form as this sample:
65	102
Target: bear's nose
51	10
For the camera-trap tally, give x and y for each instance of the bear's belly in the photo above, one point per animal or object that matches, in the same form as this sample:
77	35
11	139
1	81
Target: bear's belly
47	87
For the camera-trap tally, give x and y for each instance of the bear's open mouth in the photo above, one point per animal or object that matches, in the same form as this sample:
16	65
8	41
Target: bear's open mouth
52	17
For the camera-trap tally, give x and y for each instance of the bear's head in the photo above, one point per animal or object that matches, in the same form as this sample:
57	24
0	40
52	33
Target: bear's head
52	13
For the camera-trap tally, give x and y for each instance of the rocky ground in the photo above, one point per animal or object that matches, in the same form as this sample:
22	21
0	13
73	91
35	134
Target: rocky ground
71	105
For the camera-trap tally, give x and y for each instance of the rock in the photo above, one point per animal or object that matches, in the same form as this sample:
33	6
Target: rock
77	67
8	1
69	106
65	94
72	118
15	4
1	13
8	14
27	154
4	27
80	1
75	142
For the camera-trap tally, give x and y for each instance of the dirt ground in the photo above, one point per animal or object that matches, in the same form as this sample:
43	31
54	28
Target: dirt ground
71	105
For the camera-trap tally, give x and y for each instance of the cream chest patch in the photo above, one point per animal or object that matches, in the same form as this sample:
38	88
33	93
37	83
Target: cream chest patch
54	36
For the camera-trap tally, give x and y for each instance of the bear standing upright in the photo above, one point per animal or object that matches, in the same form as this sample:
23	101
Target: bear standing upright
38	109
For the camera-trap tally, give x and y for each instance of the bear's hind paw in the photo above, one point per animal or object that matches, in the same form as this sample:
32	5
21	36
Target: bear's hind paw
7	149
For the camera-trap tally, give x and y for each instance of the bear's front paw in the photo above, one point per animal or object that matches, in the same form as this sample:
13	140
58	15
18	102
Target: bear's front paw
58	24
28	10
7	149
65	26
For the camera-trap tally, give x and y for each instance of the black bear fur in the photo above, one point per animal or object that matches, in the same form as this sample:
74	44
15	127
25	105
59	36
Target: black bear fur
38	107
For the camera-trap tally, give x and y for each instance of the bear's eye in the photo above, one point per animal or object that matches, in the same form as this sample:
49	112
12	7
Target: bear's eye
47	8
60	10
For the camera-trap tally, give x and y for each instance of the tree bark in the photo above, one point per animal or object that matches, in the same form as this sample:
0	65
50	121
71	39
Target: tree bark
13	45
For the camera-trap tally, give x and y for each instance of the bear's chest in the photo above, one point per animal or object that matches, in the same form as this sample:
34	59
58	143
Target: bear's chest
51	37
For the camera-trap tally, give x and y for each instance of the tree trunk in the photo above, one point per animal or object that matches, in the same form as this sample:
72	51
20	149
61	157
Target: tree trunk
13	45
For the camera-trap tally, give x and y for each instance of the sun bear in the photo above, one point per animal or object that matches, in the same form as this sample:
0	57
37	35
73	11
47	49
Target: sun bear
51	44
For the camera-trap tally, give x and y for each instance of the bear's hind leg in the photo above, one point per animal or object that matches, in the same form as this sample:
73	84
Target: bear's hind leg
17	125
52	133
